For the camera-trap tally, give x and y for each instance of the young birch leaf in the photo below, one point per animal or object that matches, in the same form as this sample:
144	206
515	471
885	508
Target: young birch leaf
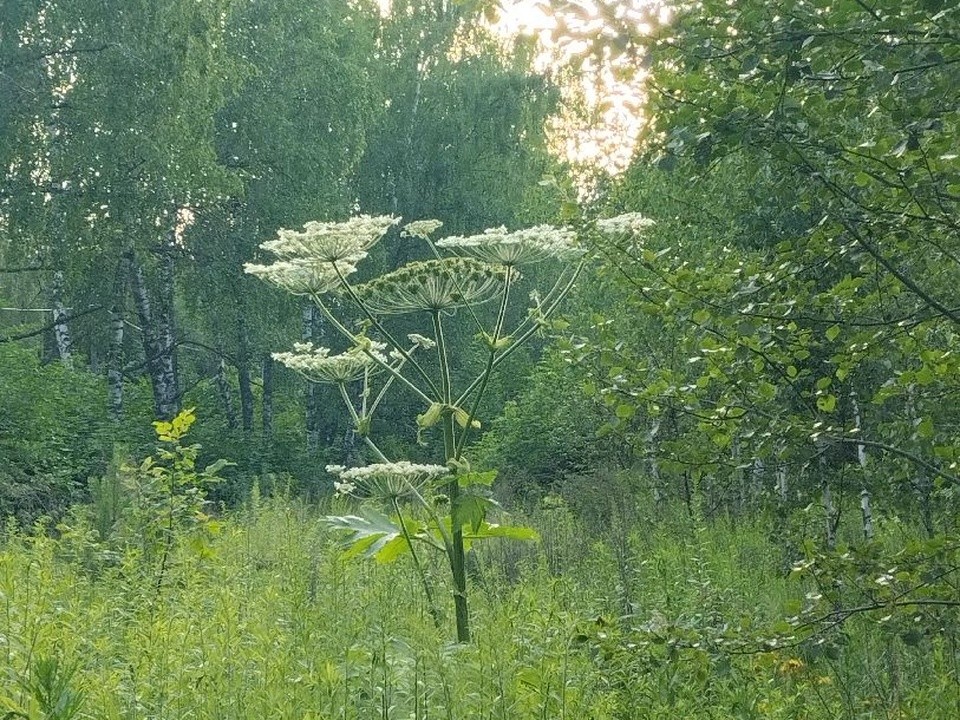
477	478
827	403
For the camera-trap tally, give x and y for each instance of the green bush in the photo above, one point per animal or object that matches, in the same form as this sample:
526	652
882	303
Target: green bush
54	434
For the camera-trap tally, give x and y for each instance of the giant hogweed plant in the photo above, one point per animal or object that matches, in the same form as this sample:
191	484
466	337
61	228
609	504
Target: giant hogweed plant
474	279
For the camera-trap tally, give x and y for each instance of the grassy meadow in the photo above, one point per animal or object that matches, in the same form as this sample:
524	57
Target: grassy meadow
621	618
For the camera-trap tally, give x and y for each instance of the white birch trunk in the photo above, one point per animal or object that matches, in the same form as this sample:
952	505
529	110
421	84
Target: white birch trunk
167	362
243	376
117	328
61	330
757	474
867	514
865	510
157	347
831	513
115	365
782	488
313	424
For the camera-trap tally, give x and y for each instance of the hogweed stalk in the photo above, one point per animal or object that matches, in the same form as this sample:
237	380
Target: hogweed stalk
445	506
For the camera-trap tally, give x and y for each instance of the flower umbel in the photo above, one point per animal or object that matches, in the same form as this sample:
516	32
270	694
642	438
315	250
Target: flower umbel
330	242
301	277
319	366
420	228
433	285
522	247
385	480
626	224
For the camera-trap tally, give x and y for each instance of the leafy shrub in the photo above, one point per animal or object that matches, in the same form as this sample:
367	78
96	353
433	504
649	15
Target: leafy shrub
54	434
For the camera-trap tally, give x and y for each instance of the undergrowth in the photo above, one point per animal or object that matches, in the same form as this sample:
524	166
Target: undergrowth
650	619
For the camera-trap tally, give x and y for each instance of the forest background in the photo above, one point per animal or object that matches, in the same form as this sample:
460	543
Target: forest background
761	391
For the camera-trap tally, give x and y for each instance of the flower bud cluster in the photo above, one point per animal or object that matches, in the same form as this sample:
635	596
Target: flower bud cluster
432	285
421	228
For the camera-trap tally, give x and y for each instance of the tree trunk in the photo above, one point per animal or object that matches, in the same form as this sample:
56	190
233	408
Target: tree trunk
226	397
243	375
166	326
867	514
923	484
61	330
117	328
865	511
830	512
312	333
115	365
266	376
782	488
158	346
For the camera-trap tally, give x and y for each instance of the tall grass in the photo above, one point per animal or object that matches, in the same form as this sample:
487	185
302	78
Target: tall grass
596	622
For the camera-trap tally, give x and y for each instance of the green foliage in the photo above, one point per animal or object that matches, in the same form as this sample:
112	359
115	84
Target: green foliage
49	691
54	435
141	513
281	623
548	431
823	251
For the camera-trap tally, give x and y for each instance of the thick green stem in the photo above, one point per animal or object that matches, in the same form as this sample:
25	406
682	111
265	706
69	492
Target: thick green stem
455	552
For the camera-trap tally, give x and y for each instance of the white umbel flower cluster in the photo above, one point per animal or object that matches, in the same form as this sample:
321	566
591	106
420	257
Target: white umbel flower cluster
432	285
318	365
632	223
522	247
331	242
312	261
300	276
421	228
385	480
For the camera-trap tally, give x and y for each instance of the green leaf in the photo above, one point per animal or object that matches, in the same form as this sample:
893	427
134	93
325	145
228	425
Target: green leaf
925	428
371	534
477	478
832	332
625	411
513	532
827	403
471	510
462	416
701	316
